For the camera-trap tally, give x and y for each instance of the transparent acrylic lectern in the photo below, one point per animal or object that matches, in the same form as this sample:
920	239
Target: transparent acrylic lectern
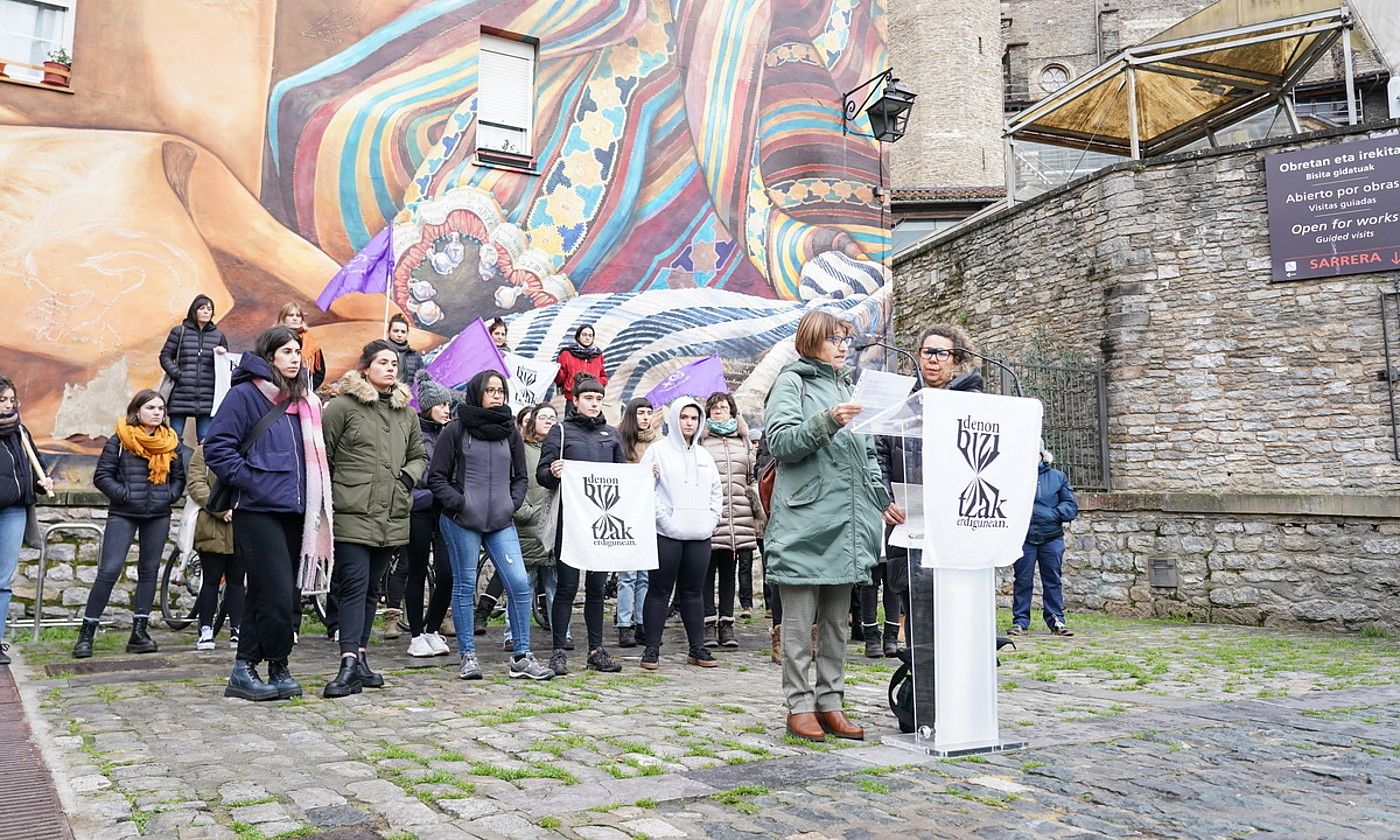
951	624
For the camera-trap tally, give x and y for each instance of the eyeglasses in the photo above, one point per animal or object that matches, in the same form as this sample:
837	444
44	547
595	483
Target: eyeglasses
495	392
942	354
841	340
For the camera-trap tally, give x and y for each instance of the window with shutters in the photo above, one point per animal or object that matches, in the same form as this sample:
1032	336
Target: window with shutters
505	100
36	41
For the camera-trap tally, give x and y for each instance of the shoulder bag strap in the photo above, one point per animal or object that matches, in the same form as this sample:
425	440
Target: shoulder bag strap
272	416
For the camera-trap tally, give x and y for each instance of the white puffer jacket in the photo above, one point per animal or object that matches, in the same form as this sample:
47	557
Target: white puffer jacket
740	519
688	495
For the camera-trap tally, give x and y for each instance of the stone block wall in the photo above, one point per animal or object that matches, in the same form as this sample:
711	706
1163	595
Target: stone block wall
1338	573
71	571
948	52
1250	439
1218	379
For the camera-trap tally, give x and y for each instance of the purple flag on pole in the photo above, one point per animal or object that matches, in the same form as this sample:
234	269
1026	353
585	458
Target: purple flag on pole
699	379
470	352
367	272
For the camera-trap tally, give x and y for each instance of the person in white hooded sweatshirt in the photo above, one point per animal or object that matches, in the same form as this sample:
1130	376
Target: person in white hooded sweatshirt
688	505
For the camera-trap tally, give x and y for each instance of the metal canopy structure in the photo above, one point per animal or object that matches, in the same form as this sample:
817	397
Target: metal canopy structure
1158	97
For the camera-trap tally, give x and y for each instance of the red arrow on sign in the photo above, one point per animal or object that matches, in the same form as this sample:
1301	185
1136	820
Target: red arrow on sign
1395	257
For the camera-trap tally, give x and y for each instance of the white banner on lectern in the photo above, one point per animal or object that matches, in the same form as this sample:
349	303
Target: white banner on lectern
980	454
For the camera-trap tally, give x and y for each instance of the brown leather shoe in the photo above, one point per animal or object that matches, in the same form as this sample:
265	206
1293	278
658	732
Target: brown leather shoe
804	725
837	724
776	654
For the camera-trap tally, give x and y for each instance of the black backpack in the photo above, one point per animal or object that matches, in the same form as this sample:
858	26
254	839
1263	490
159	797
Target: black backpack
901	690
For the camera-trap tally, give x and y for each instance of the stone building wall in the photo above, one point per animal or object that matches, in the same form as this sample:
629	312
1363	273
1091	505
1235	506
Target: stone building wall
1221	385
72	568
948	52
1336	572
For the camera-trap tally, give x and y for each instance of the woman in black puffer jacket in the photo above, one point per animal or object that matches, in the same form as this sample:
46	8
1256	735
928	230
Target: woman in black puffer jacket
188	359
141	472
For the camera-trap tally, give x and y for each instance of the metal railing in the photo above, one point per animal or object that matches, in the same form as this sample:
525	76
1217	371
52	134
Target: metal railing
1390	335
1075	425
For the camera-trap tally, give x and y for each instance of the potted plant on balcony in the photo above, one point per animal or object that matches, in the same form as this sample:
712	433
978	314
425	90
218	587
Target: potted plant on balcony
57	67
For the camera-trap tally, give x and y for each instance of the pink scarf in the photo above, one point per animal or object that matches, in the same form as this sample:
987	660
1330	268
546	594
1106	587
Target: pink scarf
317	539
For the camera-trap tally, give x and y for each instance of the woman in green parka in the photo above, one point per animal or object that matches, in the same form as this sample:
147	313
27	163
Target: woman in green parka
376	454
823	533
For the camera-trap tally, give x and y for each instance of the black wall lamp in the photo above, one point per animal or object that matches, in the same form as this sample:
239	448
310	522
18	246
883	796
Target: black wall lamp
889	114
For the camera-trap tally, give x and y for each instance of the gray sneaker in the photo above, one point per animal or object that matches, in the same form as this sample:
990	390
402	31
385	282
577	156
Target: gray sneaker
469	670
528	666
559	662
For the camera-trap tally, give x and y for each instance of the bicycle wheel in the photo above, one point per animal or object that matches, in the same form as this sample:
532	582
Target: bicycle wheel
318	606
181	576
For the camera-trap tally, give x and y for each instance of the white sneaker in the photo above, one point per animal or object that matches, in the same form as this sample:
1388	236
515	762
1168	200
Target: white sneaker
206	638
438	643
422	646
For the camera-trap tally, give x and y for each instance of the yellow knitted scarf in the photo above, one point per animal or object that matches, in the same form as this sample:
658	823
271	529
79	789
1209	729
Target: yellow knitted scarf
159	448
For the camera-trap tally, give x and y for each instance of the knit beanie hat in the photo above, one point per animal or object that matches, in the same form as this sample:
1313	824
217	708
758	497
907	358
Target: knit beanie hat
585	384
430	393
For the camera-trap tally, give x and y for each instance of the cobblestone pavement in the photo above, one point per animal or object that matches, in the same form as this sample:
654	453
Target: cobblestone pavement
1136	729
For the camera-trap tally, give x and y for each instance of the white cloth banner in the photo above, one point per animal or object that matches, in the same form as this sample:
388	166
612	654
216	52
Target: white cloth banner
224	365
980	454
609	516
529	380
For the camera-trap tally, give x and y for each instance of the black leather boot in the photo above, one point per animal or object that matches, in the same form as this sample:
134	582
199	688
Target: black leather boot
245	684
346	682
140	641
485	605
891	648
280	678
83	649
368	678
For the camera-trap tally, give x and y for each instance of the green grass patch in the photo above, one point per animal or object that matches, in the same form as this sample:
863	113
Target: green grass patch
738	798
872	786
549	822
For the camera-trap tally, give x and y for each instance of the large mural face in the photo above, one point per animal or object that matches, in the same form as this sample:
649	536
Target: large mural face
691	190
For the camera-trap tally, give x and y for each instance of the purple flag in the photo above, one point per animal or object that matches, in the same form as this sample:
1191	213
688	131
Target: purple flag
367	272
469	352
699	379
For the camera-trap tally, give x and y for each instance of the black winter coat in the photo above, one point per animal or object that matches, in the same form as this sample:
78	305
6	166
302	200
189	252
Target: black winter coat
581	443
17	479
479	483
894	454
122	478
410	361
188	358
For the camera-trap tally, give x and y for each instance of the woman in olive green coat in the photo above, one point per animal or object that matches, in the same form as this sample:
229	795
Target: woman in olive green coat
376	454
218	563
823	533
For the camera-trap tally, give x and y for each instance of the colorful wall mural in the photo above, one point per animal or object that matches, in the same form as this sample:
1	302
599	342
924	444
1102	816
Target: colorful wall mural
691	188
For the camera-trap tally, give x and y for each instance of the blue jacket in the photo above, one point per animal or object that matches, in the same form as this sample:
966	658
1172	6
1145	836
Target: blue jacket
1054	506
272	477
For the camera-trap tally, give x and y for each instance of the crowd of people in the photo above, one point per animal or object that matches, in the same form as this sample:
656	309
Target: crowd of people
295	476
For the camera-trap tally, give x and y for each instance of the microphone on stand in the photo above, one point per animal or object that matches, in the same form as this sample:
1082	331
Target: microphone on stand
863	342
1015	380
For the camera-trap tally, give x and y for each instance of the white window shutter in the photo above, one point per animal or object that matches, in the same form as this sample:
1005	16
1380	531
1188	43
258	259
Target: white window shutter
506	94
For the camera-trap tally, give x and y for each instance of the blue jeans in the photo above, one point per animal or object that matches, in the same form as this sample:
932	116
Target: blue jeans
1048	557
463	547
631	595
540	575
201	425
12	522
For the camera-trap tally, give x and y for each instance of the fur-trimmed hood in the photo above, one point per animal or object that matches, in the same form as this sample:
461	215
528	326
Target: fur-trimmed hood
354	384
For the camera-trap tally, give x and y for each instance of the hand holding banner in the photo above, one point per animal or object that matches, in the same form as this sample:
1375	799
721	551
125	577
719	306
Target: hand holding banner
529	380
609	516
